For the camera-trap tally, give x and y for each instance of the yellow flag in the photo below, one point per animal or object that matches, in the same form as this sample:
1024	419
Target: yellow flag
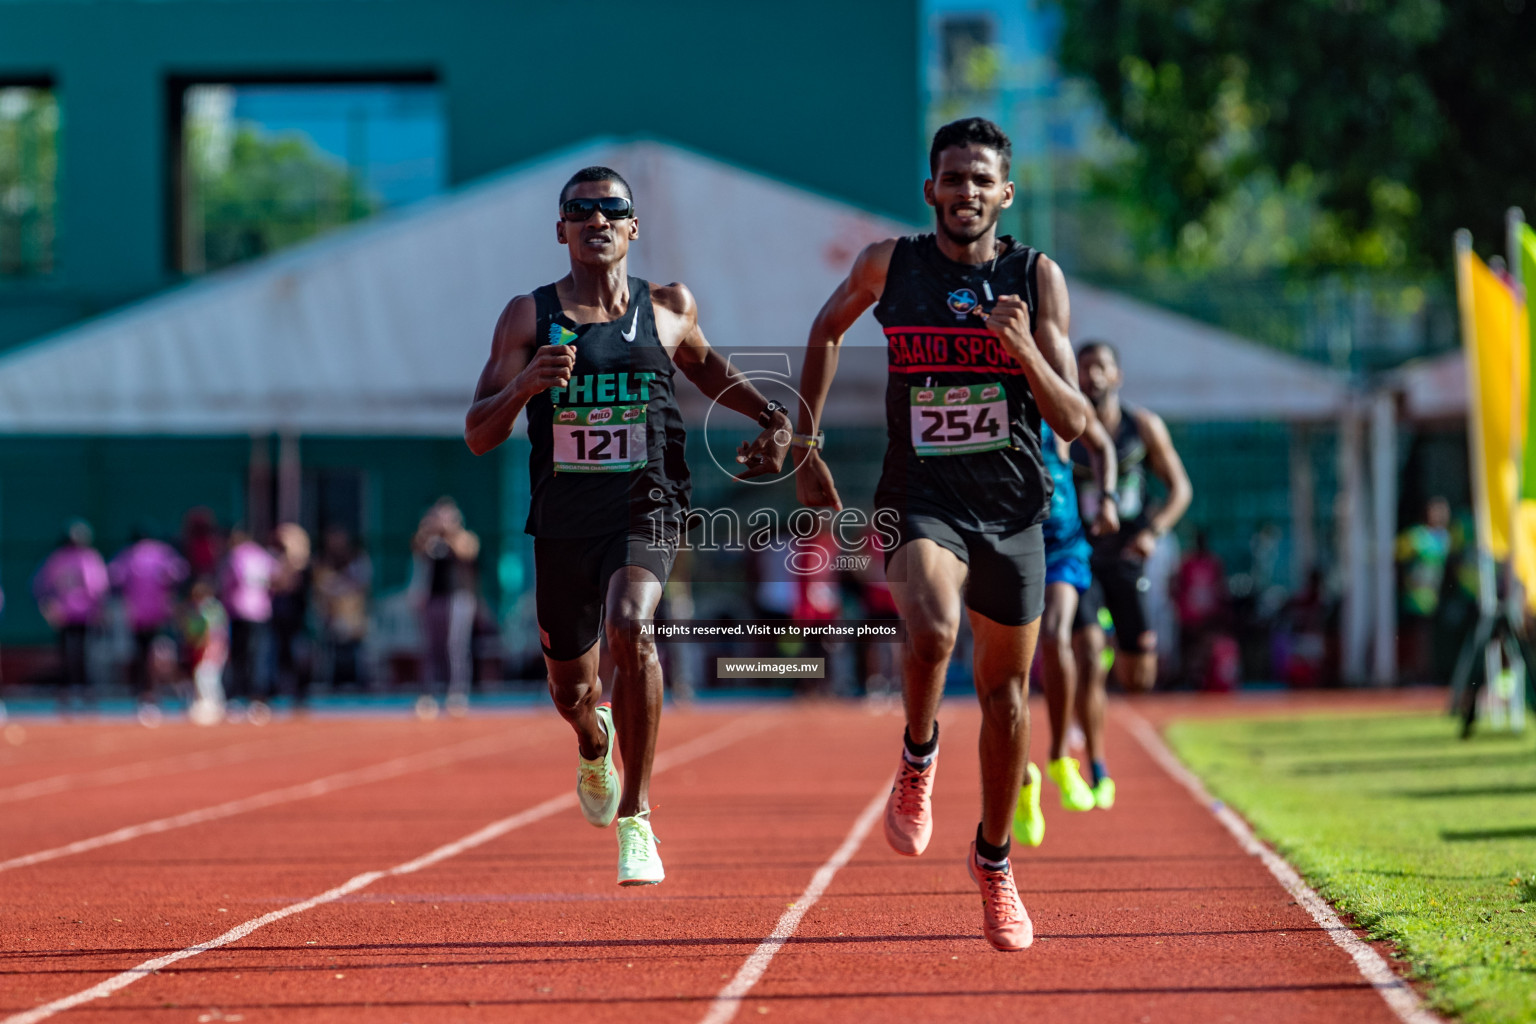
1524	257
1498	364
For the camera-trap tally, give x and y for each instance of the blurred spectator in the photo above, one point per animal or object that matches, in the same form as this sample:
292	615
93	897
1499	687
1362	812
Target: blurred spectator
812	559
200	542
1200	597
878	671
1305	649
774	587
1457	614
818	599
1422	552
681	663
69	589
205	634
290	611
245	590
147	573
342	580
445	582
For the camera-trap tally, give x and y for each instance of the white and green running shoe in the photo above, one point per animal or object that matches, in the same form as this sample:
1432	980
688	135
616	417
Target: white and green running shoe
639	863
1076	795
597	781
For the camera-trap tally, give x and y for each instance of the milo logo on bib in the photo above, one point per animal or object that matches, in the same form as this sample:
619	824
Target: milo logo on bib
600	439
963	421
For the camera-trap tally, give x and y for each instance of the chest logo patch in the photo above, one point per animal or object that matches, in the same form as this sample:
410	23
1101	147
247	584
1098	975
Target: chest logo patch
962	301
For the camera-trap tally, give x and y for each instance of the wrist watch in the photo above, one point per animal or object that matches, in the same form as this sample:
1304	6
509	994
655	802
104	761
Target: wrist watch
765	418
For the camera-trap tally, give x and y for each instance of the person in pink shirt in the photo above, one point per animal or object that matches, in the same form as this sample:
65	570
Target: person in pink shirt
147	573
69	589
245	588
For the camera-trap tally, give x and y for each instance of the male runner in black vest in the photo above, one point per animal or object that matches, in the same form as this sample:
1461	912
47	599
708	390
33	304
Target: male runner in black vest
1119	559
977	354
591	358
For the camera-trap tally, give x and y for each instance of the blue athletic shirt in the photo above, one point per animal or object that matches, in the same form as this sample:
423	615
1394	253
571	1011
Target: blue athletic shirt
1063	529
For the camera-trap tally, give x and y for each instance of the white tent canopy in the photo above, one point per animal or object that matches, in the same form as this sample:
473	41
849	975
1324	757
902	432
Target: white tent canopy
383	328
1433	389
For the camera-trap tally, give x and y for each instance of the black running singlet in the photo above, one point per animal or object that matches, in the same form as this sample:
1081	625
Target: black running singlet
963	428
1130	489
608	447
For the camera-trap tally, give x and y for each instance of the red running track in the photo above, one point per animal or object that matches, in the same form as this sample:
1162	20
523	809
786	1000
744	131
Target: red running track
1149	912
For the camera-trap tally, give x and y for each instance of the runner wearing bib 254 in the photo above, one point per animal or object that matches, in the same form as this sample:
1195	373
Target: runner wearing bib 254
977	355
591	358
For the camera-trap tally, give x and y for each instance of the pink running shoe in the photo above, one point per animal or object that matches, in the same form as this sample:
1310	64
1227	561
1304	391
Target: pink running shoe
909	809
1004	919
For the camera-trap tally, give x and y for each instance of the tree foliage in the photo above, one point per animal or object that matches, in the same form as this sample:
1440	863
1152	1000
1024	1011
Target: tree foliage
1394	121
29	167
263	193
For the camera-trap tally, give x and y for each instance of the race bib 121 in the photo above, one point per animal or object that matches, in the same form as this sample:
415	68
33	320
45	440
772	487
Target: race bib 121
600	439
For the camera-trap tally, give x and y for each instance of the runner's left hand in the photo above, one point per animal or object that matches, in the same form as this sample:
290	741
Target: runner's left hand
1009	321
764	456
1107	522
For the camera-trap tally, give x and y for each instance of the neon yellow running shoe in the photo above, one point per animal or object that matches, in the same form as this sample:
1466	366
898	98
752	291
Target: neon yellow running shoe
639	863
1075	793
1028	822
1104	793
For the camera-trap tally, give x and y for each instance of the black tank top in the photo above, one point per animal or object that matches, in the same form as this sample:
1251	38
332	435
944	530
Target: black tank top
607	449
1130	488
963	429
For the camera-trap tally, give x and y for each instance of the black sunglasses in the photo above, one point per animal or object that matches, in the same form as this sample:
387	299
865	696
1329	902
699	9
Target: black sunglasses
613	207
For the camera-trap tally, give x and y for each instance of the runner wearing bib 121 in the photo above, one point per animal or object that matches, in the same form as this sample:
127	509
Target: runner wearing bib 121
591	357
977	356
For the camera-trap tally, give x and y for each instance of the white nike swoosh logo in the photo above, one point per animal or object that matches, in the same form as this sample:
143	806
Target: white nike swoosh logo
629	335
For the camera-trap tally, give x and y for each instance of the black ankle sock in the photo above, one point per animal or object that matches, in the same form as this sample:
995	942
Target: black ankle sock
986	851
922	749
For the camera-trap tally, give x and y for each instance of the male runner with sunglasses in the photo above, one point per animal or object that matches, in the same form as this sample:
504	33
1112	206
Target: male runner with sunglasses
591	357
977	355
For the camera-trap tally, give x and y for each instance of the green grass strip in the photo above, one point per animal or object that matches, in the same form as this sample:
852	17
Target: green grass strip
1420	837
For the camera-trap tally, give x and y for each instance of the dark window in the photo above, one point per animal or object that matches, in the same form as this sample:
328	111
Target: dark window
266	165
965	44
29	171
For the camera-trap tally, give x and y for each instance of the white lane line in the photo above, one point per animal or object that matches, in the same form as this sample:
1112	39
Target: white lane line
303	791
706	744
728	1002
1400	997
137	770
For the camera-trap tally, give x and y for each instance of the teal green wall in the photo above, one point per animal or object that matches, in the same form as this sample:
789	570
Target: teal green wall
825	94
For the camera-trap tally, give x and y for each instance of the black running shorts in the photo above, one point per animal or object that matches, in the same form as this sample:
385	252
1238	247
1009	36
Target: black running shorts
1005	579
1121	585
570	583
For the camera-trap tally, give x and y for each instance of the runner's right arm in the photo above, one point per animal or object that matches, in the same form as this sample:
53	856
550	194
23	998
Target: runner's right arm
860	290
511	378
1106	475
